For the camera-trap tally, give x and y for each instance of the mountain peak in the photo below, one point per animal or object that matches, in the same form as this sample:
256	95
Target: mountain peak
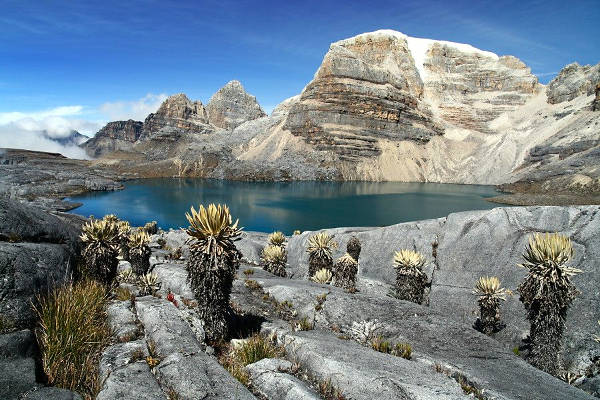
231	106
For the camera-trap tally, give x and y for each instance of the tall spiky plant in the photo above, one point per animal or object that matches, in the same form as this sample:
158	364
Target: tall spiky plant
277	239
101	239
353	247
490	295
212	264
320	255
274	259
139	251
344	272
411	281
547	293
124	229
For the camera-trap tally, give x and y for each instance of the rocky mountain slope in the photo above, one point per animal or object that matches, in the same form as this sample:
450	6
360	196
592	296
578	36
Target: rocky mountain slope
385	106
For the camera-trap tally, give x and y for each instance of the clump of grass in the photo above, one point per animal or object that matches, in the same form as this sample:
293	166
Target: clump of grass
380	345
403	350
249	272
72	332
256	348
122	294
252	284
329	391
304	325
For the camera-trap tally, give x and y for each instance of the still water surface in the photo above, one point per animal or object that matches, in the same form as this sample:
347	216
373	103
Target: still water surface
286	206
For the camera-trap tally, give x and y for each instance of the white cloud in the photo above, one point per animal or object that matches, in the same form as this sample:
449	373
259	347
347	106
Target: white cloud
26	130
57	122
137	109
12	136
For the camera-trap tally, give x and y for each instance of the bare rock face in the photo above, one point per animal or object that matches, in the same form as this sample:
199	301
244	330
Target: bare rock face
366	88
175	115
471	87
596	104
572	81
117	135
231	106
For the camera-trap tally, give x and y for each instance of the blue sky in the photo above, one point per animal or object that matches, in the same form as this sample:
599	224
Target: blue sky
106	60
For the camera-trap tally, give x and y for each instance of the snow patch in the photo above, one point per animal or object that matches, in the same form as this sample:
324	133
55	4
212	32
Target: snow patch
418	47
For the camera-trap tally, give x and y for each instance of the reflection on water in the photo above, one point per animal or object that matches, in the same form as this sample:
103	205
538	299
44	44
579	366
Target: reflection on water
286	206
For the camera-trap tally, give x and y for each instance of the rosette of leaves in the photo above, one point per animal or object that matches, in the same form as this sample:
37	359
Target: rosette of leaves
353	247
101	241
212	264
151	228
149	284
344	272
124	229
274	259
322	276
320	252
277	239
547	293
490	295
139	252
411	281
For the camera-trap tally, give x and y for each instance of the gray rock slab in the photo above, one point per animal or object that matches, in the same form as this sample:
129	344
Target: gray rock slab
362	373
173	277
476	243
20	344
163	324
269	378
17	376
50	393
26	223
122	320
434	337
199	376
27	269
119	355
134	381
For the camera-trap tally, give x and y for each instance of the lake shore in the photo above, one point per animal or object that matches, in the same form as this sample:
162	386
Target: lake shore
46	179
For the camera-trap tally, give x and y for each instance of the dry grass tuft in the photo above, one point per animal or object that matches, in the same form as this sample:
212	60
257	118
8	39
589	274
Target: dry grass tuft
72	333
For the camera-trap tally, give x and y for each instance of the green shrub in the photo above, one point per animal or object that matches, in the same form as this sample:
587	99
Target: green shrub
274	259
212	265
72	332
547	293
277	239
411	281
490	295
320	252
101	239
139	252
322	276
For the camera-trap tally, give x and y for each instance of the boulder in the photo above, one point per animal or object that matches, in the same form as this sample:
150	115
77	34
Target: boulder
269	377
37	253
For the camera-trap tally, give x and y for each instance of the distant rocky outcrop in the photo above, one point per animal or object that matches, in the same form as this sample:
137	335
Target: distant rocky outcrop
572	81
231	106
74	138
176	115
117	135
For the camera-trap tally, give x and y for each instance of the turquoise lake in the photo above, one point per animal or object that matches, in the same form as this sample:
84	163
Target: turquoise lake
286	206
